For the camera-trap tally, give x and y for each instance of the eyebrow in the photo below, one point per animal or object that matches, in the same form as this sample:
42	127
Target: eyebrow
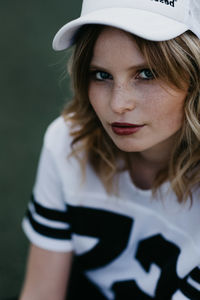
135	67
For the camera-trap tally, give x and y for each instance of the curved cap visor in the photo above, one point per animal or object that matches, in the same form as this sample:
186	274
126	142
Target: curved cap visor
145	24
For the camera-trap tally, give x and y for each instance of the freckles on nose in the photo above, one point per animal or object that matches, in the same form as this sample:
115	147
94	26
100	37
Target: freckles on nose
121	87
118	93
121	99
120	90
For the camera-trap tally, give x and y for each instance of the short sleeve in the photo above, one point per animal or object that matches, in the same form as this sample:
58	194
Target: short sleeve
46	223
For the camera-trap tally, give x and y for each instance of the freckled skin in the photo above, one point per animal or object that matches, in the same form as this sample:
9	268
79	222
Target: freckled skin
125	98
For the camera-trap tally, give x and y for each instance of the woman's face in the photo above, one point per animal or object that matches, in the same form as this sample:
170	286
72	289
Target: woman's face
137	111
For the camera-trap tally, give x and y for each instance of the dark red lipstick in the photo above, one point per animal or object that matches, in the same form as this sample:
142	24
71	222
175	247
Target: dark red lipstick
125	128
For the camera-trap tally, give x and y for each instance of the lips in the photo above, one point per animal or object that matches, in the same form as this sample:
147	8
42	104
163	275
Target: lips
125	128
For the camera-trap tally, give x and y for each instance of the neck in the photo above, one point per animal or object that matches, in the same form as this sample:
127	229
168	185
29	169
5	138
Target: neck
147	164
158	156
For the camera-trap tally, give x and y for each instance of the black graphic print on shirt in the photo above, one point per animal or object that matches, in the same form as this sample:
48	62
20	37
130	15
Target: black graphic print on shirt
112	232
113	241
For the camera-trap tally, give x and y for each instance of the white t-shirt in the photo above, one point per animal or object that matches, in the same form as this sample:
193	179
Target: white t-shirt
129	246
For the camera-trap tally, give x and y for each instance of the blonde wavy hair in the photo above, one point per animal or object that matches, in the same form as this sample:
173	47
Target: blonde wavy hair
176	61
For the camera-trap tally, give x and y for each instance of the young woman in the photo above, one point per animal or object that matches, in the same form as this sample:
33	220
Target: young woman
116	204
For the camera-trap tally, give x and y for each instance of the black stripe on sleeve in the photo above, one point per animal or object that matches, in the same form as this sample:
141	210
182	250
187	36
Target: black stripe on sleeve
50	214
195	275
62	234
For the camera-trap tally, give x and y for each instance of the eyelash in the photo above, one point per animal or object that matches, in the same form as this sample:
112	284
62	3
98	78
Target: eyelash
94	73
148	70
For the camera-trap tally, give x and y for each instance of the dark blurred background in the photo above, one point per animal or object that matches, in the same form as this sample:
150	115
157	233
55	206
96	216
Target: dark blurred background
33	90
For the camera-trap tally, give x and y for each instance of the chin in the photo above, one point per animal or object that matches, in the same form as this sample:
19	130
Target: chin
129	147
129	143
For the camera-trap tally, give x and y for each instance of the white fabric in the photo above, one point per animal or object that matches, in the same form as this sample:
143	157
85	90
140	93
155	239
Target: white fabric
156	20
194	17
162	225
178	12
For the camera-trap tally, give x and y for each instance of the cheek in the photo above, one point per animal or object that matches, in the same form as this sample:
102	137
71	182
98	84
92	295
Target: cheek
97	98
94	100
167	108
92	93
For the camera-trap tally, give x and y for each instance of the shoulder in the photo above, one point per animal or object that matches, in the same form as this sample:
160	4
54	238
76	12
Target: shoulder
57	134
57	150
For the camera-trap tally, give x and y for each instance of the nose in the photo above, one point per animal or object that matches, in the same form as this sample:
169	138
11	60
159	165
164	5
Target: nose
122	99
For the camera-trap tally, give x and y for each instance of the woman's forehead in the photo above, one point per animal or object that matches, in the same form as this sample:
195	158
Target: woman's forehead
114	31
113	42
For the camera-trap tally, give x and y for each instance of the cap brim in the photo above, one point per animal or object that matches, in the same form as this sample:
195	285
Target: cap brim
142	23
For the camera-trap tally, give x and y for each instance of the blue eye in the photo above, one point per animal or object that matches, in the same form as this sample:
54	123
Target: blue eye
101	75
146	74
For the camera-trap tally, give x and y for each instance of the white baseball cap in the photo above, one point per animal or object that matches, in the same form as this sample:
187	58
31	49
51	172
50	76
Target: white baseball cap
155	20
